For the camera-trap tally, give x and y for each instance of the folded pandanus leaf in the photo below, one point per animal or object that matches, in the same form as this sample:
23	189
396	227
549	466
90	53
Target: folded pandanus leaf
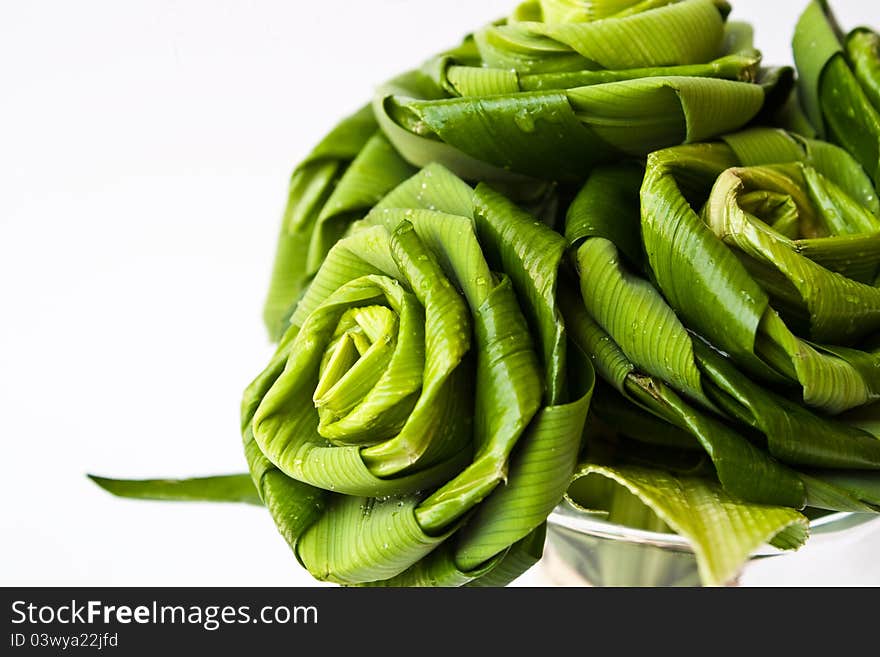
337	183
816	249
760	300
551	99
466	421
540	39
664	359
863	51
840	83
422	414
438	344
722	530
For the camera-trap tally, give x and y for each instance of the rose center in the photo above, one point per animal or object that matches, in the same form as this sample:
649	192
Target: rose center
355	358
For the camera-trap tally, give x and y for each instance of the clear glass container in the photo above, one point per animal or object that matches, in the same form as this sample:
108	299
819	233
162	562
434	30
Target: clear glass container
585	550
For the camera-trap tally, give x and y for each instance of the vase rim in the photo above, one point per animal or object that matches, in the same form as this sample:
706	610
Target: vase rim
568	516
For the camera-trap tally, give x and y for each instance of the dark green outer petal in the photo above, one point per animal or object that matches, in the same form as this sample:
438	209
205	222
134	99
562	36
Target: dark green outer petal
832	94
699	276
514	242
537	477
609	194
375	171
816	41
795	435
561	135
311	184
863	50
422	151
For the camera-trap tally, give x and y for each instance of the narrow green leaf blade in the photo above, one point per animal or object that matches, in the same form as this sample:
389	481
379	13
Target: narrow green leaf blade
223	488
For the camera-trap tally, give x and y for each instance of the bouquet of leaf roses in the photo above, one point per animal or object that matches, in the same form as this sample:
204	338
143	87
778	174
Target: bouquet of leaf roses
597	254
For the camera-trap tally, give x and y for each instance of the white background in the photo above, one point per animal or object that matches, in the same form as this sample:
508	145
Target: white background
144	154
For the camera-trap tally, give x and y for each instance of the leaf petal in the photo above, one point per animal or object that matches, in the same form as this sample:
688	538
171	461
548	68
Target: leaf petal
723	531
